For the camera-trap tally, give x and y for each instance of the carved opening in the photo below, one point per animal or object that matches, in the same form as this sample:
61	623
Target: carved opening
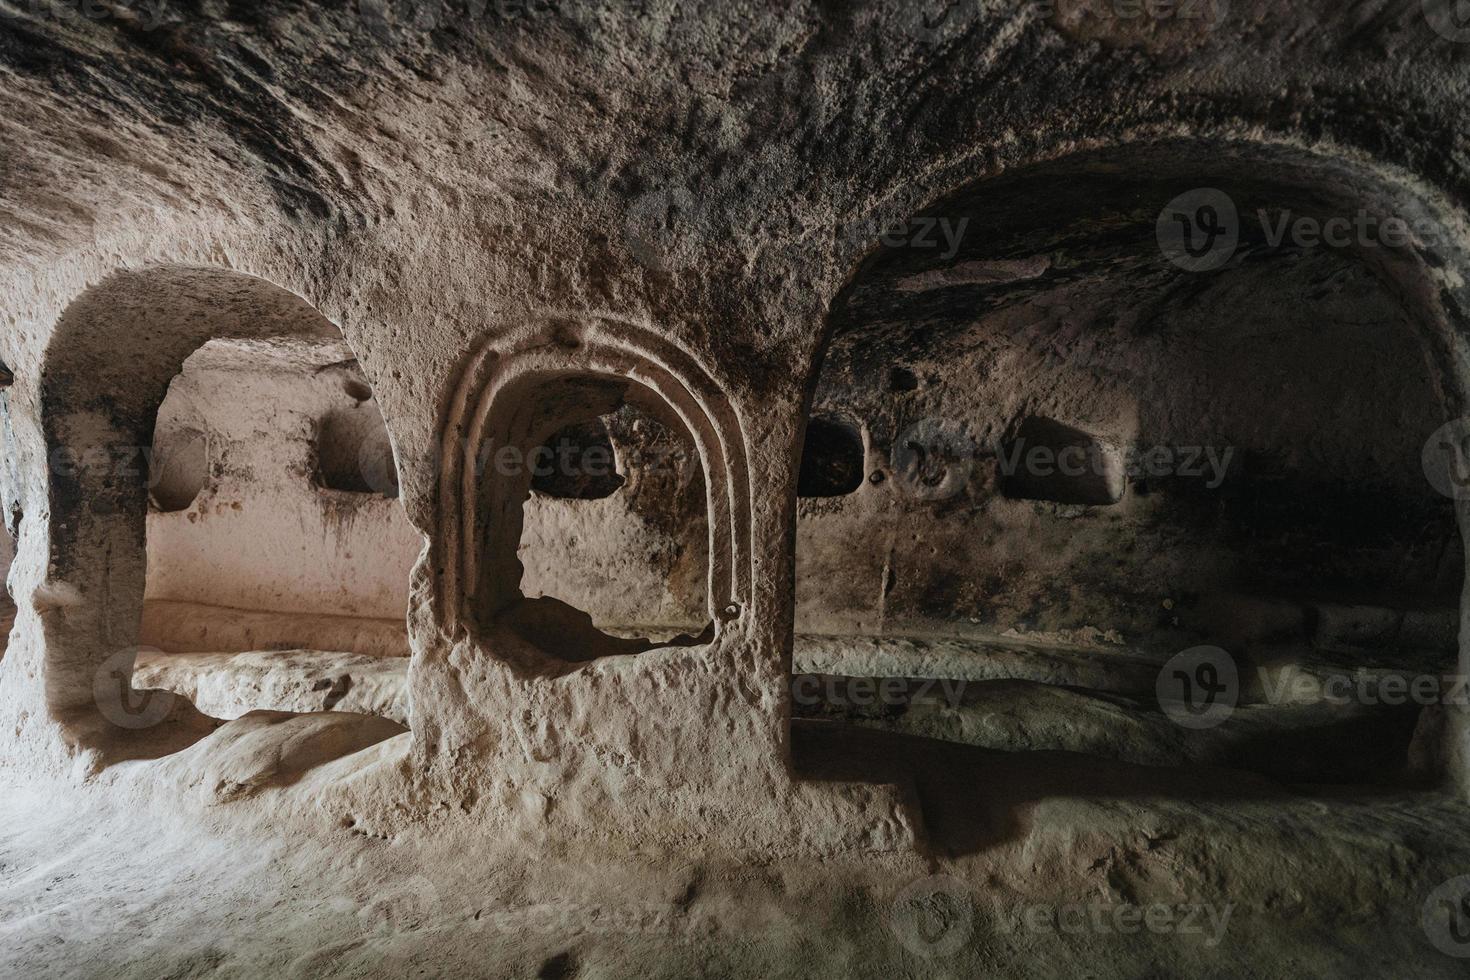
179	468
592	575
1116	457
1049	460
264	592
578	462
831	460
353	453
7	601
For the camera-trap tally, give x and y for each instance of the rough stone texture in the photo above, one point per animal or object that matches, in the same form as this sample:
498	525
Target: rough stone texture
1316	742
1310	742
263	535
521	217
1284	477
444	915
7	556
186	627
228	685
639	557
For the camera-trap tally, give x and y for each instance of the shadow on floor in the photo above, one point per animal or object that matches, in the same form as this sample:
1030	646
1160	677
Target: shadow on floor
973	799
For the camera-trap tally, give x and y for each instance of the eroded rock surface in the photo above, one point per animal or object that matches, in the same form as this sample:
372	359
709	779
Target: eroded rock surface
296	295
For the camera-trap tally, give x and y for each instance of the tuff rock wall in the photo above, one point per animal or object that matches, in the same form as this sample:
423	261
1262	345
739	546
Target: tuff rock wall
485	200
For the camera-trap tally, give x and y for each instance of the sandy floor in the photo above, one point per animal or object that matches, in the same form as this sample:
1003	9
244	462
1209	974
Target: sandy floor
1037	856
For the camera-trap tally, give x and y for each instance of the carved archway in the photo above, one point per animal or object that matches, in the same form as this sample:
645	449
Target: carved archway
591	365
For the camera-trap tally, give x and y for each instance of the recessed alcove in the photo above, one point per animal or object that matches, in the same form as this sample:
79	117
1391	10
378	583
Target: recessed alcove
178	468
901	488
353	454
1114	459
593	574
832	459
578	462
232	584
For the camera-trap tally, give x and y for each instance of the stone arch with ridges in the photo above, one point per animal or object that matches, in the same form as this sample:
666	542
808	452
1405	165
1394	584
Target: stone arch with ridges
598	348
1431	279
109	362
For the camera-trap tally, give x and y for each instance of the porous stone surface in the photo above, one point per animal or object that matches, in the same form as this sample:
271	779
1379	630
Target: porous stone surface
265	532
1215	445
228	685
486	223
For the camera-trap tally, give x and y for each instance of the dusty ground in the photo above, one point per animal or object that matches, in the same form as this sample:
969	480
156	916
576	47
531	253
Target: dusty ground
583	187
1264	882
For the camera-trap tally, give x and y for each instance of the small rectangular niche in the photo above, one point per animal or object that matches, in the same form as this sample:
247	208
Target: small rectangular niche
1049	460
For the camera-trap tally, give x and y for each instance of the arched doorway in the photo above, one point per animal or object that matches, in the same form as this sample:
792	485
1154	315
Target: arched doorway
183	408
1102	437
509	411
